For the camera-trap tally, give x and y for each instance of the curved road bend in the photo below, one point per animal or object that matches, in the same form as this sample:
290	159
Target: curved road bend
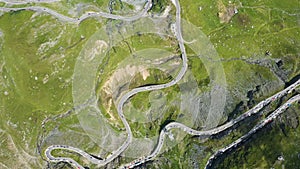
178	34
84	16
260	125
125	98
27	2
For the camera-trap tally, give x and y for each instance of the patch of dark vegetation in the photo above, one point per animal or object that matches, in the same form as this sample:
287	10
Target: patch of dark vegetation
240	107
114	5
243	19
16	12
277	139
158	5
204	82
290	119
60	165
240	154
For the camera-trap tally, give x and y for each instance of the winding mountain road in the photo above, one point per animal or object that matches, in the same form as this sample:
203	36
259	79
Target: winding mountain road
84	16
260	125
221	128
27	2
124	98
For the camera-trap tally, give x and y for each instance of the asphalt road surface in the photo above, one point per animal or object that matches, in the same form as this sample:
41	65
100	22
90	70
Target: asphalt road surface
178	34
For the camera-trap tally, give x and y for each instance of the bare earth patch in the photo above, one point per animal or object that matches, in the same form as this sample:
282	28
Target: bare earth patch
226	13
116	81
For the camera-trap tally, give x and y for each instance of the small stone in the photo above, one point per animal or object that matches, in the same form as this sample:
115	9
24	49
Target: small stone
6	93
236	11
280	158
